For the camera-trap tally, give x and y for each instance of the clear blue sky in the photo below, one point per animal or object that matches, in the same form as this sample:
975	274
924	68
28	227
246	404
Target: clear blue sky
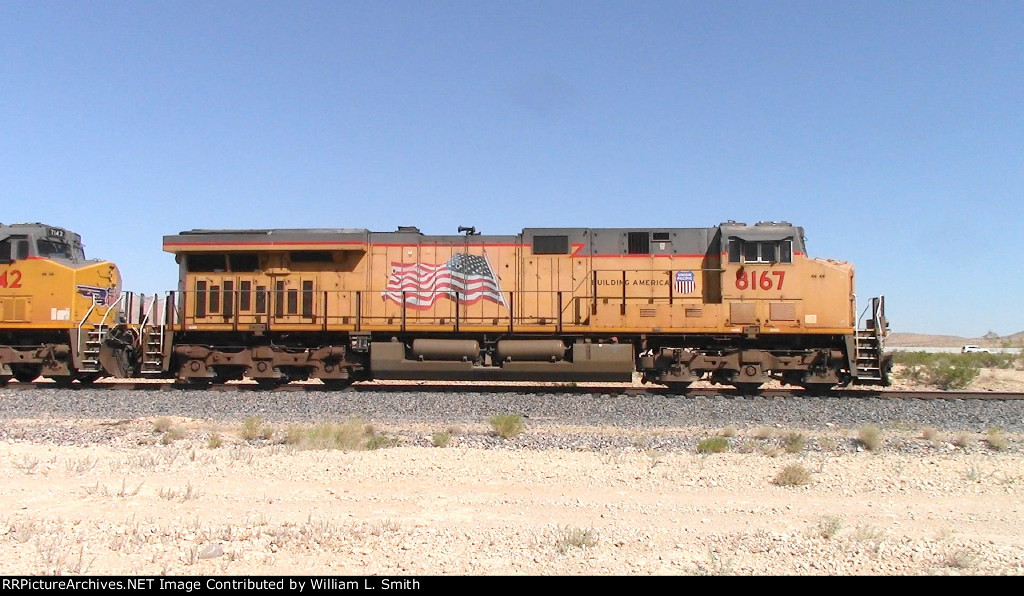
893	132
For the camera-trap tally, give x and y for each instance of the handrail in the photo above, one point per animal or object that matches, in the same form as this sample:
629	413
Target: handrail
111	307
85	318
863	312
559	309
149	311
877	307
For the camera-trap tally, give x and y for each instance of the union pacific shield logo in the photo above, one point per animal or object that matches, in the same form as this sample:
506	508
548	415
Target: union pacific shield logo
684	282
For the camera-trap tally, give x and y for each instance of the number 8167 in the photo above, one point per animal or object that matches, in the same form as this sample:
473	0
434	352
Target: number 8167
764	280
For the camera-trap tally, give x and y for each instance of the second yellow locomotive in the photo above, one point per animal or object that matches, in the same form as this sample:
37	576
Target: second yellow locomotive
735	304
60	313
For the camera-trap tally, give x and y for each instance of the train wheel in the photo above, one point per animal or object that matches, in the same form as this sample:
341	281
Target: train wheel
679	387
229	373
748	388
337	384
26	373
818	388
89	378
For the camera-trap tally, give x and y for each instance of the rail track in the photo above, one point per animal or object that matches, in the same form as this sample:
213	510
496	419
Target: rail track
530	389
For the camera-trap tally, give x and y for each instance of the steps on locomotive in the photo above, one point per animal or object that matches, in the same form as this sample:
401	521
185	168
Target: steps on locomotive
152	350
91	350
869	342
869	356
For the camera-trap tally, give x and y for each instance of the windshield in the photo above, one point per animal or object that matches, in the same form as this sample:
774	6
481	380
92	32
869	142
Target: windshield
51	249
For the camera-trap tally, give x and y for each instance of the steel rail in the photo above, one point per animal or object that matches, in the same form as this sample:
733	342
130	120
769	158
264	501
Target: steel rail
535	389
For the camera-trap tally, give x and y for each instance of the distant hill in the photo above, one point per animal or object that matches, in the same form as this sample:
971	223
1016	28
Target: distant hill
921	340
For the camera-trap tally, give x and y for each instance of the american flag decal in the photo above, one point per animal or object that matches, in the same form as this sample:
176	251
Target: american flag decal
684	282
467	277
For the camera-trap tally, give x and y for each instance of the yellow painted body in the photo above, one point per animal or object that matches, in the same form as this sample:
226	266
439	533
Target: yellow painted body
568	294
43	294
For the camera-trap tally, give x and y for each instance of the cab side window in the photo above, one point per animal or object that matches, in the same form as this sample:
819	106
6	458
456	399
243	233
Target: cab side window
773	251
13	248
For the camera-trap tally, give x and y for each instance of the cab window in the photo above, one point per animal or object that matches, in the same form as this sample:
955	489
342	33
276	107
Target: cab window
13	248
50	249
206	263
769	251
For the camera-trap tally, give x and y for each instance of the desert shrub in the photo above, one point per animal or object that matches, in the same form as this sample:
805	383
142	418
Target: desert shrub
870	437
214	441
294	434
947	375
993	360
747	446
441	439
173	434
913	358
828	526
713	445
930	433
964	440
794	442
353	435
948	371
793	475
960	559
729	431
507	426
569	538
377	441
253	428
162	424
917	374
996	440
868	534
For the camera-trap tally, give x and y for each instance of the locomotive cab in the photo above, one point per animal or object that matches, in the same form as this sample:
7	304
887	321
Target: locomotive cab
36	241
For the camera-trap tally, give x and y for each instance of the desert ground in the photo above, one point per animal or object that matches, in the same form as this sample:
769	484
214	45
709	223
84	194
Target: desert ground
184	496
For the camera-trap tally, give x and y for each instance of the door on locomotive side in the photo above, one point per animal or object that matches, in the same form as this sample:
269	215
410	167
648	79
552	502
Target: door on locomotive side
555	282
239	288
15	300
297	302
204	291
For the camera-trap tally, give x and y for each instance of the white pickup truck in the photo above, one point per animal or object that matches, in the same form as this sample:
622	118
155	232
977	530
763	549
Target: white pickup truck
972	349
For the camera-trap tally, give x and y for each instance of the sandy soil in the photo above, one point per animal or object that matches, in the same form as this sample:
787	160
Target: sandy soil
142	501
147	502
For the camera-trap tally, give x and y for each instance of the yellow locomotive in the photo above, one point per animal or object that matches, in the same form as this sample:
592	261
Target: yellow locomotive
60	313
735	304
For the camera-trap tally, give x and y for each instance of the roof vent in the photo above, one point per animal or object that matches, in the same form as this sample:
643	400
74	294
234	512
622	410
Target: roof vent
410	229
